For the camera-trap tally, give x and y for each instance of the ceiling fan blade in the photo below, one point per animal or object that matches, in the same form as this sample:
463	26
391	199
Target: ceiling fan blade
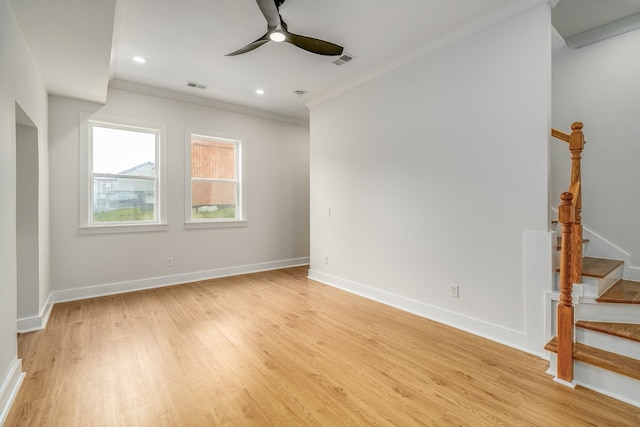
312	45
253	45
270	12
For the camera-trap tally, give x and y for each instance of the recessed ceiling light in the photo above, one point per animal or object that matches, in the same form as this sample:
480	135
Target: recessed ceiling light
139	59
260	91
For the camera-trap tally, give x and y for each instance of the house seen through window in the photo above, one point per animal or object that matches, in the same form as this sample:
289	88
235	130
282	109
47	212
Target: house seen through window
124	175
215	179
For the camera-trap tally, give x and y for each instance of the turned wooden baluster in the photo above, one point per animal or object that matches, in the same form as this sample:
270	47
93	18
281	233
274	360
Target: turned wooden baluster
565	319
576	145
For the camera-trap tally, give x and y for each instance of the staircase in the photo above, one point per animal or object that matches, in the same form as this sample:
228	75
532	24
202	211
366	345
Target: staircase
607	332
597	315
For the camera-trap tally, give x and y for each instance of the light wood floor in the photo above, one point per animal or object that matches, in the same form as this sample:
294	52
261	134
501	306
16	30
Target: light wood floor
278	349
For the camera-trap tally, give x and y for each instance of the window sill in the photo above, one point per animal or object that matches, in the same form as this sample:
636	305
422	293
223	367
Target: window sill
117	229
215	224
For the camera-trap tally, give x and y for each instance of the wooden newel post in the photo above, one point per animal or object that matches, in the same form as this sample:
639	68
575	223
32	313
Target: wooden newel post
576	145
565	308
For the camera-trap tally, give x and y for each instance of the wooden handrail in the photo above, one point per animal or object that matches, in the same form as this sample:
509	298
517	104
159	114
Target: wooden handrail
565	319
560	135
576	145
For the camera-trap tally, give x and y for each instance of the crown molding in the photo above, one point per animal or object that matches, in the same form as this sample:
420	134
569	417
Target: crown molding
205	102
486	20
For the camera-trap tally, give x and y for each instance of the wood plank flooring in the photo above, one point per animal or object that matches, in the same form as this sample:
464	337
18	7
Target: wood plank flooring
276	348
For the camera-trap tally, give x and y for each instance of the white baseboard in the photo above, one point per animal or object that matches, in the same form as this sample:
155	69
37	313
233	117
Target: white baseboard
36	323
509	337
9	388
632	273
570	384
159	282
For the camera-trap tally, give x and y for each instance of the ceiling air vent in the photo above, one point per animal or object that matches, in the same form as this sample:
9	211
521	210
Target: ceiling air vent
344	59
197	85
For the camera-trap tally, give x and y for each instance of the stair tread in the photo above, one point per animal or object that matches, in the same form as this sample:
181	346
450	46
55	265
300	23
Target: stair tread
599	267
613	362
629	331
559	243
622	292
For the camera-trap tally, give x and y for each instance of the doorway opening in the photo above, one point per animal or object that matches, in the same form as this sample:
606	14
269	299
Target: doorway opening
27	211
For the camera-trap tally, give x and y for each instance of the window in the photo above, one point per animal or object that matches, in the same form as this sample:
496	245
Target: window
121	176
215	183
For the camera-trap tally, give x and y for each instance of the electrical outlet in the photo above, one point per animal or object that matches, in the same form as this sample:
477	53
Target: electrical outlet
170	262
326	260
454	291
327	212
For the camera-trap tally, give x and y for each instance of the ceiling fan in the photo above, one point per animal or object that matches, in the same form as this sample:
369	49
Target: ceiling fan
278	31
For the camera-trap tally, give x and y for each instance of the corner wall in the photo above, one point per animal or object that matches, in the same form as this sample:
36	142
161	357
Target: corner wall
436	174
20	82
599	86
277	234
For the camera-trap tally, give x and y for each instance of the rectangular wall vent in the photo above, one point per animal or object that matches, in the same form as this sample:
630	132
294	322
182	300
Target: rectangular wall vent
344	59
197	85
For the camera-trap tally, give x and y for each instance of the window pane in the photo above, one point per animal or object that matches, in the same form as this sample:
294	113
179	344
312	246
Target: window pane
123	199
212	159
213	199
126	152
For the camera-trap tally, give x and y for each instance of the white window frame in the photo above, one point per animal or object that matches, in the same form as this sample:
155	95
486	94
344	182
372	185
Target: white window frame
85	203
241	178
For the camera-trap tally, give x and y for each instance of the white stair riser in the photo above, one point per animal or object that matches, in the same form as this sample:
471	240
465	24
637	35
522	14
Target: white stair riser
603	312
605	382
593	287
608	342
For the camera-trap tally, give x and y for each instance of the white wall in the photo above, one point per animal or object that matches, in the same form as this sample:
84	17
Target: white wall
20	82
598	85
434	174
278	205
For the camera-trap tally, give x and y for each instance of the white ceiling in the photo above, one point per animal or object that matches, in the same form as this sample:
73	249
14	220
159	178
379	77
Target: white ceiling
187	41
81	45
71	42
